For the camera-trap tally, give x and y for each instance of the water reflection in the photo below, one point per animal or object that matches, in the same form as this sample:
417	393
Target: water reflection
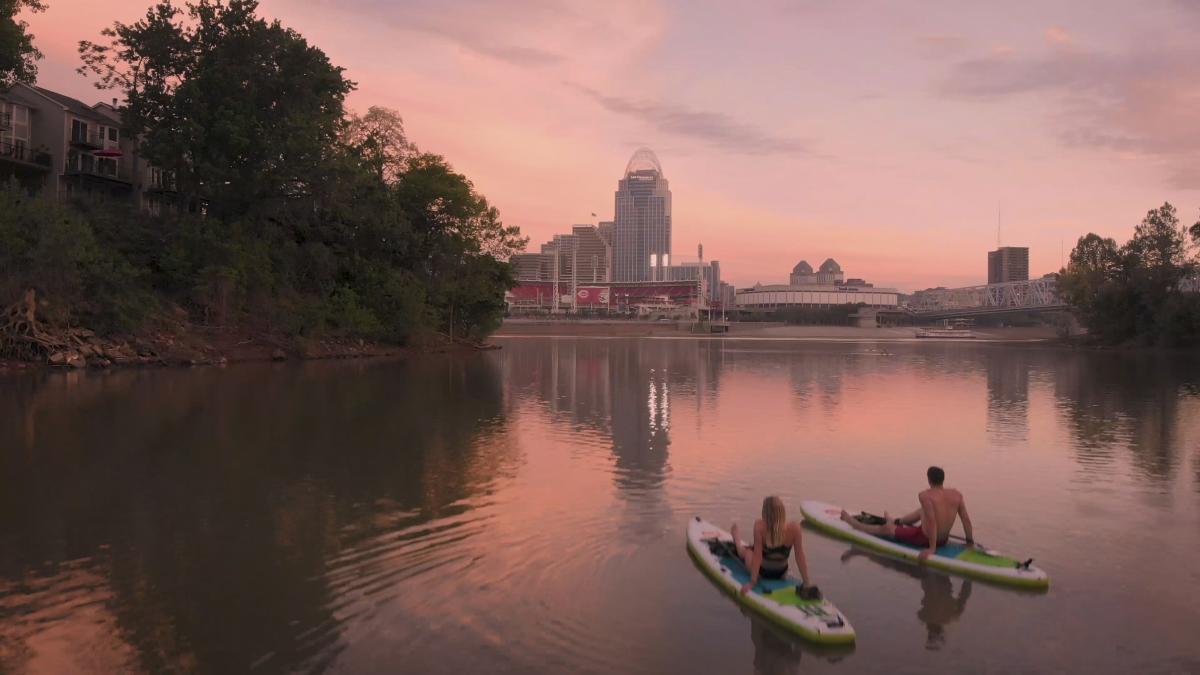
623	390
1008	398
776	651
939	605
426	515
1126	401
205	506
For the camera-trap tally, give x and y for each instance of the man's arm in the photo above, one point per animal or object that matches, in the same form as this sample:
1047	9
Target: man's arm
966	521
929	525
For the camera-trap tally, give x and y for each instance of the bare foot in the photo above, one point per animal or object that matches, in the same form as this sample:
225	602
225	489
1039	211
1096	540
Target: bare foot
845	516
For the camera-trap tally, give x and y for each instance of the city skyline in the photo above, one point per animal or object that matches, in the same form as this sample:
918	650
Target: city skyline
782	131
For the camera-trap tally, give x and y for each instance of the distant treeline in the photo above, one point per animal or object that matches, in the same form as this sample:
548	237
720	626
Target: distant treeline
1140	292
291	214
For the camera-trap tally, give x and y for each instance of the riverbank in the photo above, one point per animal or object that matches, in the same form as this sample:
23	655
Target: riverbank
194	346
760	330
186	344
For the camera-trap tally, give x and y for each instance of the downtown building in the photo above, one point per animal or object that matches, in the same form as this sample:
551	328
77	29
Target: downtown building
1008	263
642	226
623	266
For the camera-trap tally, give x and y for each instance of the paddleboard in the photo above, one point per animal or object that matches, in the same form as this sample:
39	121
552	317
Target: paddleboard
776	599
972	561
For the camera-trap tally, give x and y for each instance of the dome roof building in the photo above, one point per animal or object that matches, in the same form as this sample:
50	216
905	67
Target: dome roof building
830	273
830	266
643	163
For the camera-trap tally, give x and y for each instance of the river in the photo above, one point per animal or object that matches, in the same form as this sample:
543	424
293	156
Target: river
523	510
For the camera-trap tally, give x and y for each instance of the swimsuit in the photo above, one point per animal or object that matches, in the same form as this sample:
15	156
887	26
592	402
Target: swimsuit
774	562
913	535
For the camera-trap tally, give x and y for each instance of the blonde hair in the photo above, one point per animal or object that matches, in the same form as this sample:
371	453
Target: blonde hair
774	520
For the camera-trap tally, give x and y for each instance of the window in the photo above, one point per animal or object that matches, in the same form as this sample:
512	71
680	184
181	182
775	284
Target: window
79	131
112	134
14	132
106	166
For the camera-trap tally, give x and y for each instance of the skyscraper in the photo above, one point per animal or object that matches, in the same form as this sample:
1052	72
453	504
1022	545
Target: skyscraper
1008	263
642	230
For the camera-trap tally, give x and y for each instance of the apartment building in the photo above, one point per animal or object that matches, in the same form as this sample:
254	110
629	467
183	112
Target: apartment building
61	147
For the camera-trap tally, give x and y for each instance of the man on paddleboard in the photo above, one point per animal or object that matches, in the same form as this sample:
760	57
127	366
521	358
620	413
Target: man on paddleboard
940	507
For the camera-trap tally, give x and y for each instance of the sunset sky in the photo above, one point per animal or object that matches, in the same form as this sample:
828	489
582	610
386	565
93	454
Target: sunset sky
870	132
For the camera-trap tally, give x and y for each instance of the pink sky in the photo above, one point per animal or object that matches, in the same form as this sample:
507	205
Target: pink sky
878	134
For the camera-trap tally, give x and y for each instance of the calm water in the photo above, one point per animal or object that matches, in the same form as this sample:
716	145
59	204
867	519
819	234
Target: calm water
524	510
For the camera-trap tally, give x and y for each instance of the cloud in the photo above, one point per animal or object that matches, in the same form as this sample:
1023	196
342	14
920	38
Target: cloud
713	128
477	27
1138	103
940	46
524	33
1058	36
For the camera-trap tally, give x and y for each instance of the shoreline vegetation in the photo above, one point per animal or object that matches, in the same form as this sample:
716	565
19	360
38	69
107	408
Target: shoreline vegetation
290	225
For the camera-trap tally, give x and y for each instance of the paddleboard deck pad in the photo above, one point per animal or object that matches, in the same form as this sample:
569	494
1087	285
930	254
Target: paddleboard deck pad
976	562
817	620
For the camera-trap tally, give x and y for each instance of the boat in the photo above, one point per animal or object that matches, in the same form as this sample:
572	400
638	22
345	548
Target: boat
951	329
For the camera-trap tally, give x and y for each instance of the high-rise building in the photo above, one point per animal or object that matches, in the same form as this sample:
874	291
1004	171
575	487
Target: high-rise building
642	229
1008	263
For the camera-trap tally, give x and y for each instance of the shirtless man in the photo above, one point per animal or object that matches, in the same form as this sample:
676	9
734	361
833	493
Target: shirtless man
939	508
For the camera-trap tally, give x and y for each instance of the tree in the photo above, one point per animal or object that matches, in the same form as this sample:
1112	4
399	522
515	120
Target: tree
244	112
18	55
378	139
458	244
1134	292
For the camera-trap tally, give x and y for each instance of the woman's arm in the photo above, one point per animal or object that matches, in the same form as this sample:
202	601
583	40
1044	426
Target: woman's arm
798	551
756	555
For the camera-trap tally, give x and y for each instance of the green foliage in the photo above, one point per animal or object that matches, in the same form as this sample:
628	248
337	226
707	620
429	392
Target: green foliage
18	55
243	112
54	249
292	217
1133	293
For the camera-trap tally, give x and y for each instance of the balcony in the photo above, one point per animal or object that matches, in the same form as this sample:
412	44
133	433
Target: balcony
113	172
161	183
90	139
19	154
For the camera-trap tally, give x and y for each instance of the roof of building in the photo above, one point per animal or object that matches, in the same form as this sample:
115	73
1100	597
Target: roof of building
802	267
830	265
76	106
643	160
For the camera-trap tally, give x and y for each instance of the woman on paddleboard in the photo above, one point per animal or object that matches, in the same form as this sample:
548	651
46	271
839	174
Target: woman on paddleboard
774	539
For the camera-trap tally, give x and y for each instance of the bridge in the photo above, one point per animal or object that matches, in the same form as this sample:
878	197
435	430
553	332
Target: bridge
1035	295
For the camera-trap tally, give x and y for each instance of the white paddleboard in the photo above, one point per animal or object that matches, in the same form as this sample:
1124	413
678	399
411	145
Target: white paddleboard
976	562
776	599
